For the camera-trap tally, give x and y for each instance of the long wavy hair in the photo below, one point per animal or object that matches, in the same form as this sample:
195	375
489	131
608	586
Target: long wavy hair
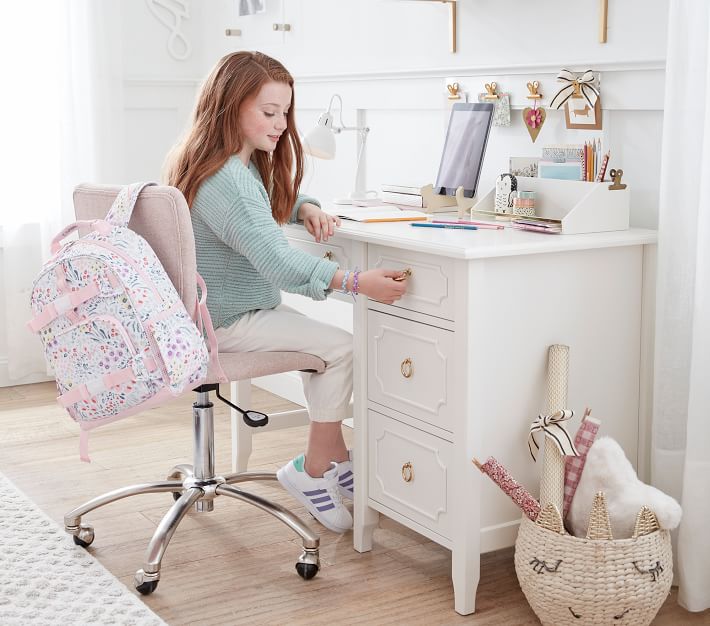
214	135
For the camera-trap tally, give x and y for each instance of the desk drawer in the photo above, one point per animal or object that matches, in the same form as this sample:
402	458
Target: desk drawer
408	472
430	287
410	368
337	250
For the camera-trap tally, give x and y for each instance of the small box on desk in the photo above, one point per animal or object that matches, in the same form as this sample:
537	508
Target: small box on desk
581	207
571	170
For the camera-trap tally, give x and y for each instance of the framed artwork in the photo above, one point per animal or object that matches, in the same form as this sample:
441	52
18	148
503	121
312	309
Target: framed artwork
578	114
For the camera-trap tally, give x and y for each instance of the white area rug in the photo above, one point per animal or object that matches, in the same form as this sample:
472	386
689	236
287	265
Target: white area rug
46	579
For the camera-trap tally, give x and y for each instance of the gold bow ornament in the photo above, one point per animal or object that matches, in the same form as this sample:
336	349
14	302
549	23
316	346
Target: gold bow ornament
554	430
583	85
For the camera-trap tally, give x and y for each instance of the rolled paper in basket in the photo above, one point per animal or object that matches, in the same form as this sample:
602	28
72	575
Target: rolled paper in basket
510	486
574	465
552	482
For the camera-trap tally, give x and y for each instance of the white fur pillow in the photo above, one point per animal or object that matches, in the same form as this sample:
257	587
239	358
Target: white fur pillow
607	469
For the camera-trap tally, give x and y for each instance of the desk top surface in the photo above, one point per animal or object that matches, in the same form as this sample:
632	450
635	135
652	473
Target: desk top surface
478	244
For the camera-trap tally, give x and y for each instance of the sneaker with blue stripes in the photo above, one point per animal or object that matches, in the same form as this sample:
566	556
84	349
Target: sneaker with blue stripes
346	479
320	496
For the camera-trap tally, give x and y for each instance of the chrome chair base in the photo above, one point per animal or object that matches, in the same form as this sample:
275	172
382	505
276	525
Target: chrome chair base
196	485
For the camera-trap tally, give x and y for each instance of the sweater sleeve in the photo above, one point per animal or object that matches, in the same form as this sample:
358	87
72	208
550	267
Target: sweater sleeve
249	228
301	199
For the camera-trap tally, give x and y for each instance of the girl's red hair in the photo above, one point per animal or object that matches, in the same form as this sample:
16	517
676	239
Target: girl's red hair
215	136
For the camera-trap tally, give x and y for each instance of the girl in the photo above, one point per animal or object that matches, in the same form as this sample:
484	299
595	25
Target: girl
240	169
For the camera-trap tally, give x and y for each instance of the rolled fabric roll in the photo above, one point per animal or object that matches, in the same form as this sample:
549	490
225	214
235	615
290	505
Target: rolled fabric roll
552	481
574	465
517	493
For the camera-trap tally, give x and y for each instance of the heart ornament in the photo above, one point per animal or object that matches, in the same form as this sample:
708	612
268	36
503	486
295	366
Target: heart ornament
534	119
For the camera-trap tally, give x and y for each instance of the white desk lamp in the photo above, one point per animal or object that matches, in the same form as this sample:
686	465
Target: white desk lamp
320	143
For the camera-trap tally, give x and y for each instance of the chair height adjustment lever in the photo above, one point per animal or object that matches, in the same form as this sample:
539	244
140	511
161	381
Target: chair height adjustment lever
251	418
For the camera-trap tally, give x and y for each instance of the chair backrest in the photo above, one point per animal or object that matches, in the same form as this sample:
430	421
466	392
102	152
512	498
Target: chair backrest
161	216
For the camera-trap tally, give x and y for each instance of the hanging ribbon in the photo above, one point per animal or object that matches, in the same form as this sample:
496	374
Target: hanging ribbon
550	425
584	84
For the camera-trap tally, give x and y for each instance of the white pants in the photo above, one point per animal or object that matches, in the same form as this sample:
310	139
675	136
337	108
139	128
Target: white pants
284	329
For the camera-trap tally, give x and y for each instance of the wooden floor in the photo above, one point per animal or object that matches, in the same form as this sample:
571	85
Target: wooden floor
236	565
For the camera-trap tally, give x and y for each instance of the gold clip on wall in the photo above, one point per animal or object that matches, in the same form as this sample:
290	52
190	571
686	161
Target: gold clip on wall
491	91
454	91
533	93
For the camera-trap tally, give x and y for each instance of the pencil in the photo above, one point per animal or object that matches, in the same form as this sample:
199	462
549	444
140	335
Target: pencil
431	225
479	224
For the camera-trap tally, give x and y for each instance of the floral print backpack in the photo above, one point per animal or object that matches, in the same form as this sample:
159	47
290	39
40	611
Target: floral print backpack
114	329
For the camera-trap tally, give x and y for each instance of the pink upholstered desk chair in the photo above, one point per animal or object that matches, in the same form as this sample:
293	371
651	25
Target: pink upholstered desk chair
162	217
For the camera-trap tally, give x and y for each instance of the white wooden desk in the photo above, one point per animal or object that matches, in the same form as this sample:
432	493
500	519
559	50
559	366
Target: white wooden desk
457	368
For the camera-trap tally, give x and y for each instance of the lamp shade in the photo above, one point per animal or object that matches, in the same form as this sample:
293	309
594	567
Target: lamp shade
320	141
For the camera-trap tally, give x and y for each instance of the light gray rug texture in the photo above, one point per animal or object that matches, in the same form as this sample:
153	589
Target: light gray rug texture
46	579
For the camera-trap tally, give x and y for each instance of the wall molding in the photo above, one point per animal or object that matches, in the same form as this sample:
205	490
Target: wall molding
625	85
437	72
484	70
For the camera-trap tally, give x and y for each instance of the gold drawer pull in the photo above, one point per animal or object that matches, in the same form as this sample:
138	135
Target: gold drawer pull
407	472
406	368
329	255
405	274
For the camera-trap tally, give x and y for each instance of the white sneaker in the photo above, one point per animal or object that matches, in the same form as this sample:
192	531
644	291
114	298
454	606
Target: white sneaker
346	479
321	496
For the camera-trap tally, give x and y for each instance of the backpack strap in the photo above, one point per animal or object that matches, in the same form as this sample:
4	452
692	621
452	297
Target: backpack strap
203	319
100	226
120	212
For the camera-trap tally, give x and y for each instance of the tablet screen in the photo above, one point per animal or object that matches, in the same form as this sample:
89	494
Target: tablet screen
464	148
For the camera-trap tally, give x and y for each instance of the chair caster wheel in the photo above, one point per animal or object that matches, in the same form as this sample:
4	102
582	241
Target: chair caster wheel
85	537
308	563
307	570
147	587
144	587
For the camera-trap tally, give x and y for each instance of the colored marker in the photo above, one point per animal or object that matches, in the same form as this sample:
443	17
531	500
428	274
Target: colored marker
431	225
479	224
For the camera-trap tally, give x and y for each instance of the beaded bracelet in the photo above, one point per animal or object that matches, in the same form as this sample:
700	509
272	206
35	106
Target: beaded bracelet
344	285
356	276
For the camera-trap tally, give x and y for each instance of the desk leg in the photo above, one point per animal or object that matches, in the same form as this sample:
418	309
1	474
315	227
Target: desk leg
465	573
364	524
466	531
365	519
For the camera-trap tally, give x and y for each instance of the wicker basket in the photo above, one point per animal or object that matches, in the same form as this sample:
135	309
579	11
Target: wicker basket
593	580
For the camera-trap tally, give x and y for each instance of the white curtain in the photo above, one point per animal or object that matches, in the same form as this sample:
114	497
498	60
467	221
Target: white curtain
61	126
681	416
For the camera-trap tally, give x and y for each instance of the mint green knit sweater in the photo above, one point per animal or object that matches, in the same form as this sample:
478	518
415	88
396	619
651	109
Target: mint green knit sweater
242	252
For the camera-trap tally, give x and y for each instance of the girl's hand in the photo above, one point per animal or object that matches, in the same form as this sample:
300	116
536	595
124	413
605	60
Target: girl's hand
380	284
317	223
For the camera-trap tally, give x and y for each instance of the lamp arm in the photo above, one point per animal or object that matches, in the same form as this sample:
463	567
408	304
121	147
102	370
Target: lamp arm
340	110
363	129
337	129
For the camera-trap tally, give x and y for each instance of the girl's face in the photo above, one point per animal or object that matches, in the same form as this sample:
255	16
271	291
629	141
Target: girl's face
262	119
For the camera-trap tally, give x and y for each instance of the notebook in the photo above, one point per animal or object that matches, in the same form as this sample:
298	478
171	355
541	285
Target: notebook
380	213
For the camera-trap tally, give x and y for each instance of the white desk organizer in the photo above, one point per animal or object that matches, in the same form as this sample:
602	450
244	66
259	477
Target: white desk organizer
581	207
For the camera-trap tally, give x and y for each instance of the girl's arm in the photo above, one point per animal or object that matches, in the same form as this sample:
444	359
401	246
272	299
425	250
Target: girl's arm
300	201
249	228
383	285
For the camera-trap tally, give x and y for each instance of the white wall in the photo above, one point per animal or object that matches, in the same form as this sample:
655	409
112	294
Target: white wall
390	58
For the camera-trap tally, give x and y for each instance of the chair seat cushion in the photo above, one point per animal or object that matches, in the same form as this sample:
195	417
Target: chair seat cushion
244	365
